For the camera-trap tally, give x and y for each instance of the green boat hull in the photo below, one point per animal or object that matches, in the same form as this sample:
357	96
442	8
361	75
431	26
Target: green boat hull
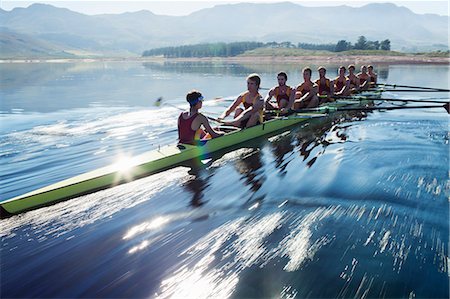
149	163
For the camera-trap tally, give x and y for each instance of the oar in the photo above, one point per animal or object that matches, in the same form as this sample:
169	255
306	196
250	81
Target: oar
333	109
408	86
159	102
420	90
388	99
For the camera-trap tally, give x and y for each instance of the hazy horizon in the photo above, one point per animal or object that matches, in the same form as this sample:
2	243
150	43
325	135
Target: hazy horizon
179	8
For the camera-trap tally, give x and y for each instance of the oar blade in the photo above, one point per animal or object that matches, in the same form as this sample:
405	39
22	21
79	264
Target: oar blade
446	107
158	102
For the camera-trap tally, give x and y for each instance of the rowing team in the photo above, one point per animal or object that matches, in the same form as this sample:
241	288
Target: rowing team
194	126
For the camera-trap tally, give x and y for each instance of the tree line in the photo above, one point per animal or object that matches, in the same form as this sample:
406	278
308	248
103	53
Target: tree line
205	50
361	44
236	48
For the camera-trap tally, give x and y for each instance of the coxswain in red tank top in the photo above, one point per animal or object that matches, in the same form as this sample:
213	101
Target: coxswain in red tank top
252	101
284	95
185	133
192	123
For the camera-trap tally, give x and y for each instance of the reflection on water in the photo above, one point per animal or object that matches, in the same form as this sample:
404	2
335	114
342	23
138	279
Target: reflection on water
354	205
248	166
63	218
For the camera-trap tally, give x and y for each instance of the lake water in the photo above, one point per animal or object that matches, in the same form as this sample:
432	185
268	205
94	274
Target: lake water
354	206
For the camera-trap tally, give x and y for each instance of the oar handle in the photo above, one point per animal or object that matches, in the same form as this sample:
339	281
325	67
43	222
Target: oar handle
159	102
215	119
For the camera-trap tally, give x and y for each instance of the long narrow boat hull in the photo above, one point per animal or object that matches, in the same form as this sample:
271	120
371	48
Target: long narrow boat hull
146	164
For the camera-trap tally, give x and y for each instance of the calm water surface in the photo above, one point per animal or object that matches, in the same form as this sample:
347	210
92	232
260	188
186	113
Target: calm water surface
351	206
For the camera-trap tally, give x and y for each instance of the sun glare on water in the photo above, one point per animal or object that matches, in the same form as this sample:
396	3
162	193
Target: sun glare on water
123	164
125	168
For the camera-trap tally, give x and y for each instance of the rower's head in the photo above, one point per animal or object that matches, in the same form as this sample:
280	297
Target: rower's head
370	68
194	99
253	82
351	68
307	72
282	78
342	70
363	69
322	71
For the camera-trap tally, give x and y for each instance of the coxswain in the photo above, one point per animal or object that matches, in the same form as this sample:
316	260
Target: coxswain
252	112
306	92
341	83
192	124
283	94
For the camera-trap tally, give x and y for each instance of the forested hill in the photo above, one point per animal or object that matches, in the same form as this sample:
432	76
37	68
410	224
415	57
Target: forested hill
237	48
44	29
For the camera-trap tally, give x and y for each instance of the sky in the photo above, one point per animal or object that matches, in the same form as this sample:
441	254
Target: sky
183	7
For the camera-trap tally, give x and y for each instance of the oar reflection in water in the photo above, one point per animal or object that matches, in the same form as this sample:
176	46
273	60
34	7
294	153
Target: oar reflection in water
249	165
248	161
196	185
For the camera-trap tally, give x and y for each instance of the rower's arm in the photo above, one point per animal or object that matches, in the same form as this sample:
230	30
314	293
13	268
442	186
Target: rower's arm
347	84
231	108
344	88
269	95
358	81
291	99
204	121
259	104
298	91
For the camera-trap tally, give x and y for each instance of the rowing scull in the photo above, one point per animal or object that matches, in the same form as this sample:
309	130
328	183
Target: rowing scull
153	161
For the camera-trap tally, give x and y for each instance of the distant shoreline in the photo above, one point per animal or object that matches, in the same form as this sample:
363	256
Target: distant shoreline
318	59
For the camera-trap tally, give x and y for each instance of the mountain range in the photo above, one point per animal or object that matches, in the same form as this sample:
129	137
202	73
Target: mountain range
42	30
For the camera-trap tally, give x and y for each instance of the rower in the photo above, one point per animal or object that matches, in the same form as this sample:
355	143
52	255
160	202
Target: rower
341	83
325	88
306	92
253	103
190	123
353	79
372	75
284	94
363	78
